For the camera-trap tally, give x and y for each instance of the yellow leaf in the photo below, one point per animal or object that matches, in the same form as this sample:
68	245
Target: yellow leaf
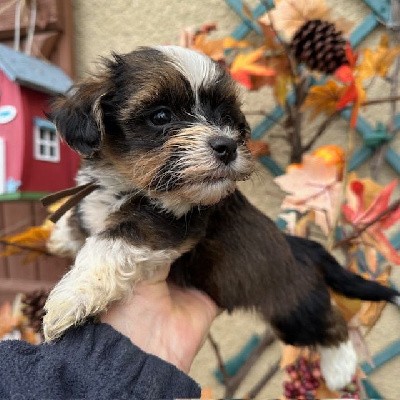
348	307
282	83
244	60
231	43
377	62
323	98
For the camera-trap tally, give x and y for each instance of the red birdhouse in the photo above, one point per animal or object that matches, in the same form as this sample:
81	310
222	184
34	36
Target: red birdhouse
32	157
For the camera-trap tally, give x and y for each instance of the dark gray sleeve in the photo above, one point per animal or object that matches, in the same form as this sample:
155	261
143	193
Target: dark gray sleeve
93	362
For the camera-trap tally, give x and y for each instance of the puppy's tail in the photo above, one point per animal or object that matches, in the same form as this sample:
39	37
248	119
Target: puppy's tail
336	277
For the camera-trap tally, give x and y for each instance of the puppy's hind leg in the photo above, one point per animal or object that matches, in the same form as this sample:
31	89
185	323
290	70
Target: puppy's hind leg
314	322
338	357
105	270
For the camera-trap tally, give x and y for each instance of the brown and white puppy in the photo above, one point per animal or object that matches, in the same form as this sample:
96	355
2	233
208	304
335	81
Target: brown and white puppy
161	133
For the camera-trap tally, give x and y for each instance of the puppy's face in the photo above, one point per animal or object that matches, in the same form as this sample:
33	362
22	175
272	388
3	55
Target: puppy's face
168	121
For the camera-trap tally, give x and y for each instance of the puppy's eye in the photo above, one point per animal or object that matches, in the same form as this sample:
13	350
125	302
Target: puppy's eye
161	117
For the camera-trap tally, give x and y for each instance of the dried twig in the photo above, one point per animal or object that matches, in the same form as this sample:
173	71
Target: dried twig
235	381
321	130
264	380
221	365
390	99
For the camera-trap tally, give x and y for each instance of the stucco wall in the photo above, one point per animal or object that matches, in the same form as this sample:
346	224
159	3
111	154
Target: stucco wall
120	25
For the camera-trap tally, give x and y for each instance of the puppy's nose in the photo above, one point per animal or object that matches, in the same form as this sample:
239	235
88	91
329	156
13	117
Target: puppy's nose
224	148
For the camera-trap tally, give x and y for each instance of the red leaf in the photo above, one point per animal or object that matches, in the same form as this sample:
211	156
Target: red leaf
349	96
380	203
345	74
351	55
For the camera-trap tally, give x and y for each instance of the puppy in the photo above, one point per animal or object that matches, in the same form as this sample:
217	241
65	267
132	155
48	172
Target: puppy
161	134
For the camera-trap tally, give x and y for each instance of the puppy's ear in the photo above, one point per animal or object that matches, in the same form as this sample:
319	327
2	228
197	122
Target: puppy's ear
79	115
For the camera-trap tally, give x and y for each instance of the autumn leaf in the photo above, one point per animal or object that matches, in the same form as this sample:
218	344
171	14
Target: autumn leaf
349	308
323	98
246	66
359	213
216	48
281	88
377	62
314	186
354	92
359	343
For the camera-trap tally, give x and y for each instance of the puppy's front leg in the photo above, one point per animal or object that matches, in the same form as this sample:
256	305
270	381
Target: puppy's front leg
105	270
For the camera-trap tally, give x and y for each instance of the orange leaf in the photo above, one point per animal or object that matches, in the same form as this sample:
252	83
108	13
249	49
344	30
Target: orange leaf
215	48
323	392
33	237
206	393
370	312
245	66
8	321
29	335
290	354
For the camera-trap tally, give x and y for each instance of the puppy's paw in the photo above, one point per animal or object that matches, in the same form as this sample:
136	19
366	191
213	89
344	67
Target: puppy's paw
64	308
338	364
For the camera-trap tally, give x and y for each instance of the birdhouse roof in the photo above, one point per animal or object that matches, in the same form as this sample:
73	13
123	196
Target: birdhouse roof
33	73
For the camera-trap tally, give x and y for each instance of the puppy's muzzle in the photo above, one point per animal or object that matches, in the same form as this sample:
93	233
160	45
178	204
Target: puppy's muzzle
224	148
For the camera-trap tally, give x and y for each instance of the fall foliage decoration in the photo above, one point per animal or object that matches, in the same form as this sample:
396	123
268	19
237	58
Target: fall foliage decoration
313	186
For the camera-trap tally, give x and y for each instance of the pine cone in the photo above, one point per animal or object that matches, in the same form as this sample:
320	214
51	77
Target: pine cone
32	308
320	46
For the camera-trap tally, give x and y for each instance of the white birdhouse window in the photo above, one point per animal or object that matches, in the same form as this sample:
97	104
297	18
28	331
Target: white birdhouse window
46	142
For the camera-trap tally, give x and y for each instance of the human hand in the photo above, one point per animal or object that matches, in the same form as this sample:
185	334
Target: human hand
164	320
